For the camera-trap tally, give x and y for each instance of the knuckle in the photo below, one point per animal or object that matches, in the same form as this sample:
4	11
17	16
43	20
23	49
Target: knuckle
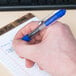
62	28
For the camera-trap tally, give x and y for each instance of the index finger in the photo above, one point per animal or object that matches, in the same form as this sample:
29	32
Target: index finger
26	29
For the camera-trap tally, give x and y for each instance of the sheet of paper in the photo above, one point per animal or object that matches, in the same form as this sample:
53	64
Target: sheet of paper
9	58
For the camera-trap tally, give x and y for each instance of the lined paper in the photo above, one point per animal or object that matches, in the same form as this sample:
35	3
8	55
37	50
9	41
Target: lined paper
11	60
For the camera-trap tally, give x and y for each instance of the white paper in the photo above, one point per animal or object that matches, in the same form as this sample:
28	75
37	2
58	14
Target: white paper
9	58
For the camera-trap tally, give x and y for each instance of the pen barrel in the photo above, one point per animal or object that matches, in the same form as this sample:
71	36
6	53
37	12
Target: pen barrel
56	16
39	28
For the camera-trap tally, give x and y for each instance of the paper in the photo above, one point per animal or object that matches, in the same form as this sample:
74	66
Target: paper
9	58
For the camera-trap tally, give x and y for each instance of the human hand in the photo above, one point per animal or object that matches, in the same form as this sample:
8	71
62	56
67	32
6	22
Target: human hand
53	49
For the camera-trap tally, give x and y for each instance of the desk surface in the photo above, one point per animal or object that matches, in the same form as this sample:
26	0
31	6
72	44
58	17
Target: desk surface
7	17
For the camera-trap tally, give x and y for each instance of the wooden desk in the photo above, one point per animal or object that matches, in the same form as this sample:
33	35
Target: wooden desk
7	17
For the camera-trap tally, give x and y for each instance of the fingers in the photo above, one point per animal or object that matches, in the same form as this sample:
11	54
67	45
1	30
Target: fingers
26	29
29	63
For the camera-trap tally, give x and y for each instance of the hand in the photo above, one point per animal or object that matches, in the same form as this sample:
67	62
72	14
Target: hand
53	49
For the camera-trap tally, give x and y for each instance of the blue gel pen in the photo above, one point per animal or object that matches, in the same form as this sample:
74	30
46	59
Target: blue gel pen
44	24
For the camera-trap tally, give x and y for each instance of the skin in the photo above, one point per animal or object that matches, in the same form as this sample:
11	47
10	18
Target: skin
53	49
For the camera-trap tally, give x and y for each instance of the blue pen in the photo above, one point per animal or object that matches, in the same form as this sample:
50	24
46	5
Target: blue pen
44	24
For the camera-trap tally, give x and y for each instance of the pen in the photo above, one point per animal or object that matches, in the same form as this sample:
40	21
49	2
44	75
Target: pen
45	23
